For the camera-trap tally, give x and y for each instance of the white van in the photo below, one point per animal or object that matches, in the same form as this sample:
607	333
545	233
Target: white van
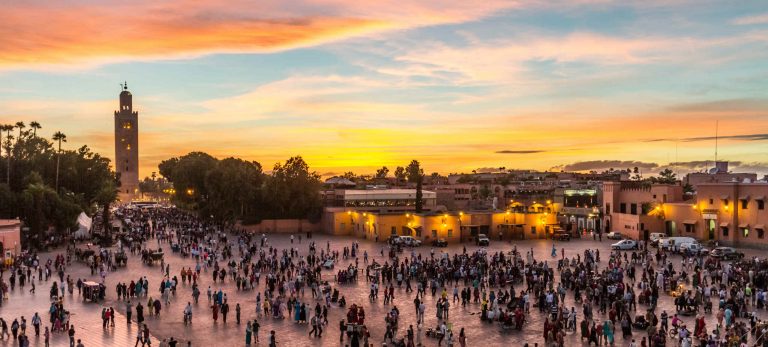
673	243
655	237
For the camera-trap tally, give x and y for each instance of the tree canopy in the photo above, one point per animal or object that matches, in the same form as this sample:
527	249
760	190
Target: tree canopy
232	188
28	189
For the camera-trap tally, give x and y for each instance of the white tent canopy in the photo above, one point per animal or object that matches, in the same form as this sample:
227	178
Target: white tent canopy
83	226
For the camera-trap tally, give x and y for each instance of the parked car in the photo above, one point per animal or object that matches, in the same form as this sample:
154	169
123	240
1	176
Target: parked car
625	244
693	248
395	240
440	243
409	241
482	240
615	235
726	253
562	236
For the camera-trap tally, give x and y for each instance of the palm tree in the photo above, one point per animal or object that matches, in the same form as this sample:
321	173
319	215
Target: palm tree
60	137
8	138
21	126
34	125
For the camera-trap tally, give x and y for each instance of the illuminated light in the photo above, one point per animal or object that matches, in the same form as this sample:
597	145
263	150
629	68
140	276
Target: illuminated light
365	214
508	212
407	215
445	215
445	225
549	202
534	202
190	191
461	214
409	223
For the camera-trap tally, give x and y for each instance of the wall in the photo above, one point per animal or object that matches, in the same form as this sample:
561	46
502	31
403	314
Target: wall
10	235
286	226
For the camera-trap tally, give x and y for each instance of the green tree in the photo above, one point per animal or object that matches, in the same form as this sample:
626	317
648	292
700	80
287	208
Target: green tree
666	176
39	203
382	173
400	174
233	187
416	175
293	190
187	173
106	195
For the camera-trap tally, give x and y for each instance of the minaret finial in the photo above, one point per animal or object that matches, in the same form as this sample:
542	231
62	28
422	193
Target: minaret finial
125	85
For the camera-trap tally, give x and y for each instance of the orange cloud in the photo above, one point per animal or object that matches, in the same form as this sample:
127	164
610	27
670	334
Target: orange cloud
43	34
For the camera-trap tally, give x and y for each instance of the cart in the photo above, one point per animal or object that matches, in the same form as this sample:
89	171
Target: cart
92	291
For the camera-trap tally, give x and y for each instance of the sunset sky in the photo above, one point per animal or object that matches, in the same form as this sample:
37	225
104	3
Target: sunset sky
353	85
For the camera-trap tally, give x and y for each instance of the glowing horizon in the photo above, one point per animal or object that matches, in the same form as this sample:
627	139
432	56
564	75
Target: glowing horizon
353	86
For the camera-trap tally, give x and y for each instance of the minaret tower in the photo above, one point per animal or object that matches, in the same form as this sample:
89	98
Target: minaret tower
127	146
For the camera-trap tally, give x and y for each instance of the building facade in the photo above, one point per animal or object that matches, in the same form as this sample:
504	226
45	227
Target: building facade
453	227
731	213
635	208
10	237
127	146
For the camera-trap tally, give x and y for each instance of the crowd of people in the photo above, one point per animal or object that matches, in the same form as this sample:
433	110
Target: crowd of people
578	294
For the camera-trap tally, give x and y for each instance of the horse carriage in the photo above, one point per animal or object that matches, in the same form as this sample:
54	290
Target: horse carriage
121	259
175	247
84	254
150	257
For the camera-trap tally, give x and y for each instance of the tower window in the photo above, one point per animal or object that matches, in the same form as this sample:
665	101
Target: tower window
126	125
128	147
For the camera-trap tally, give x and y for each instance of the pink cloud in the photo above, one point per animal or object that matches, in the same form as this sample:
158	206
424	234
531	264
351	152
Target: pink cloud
39	33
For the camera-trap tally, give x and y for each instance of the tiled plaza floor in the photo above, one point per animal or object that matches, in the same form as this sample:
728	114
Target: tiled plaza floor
203	332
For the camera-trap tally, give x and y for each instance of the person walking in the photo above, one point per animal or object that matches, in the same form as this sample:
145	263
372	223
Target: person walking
272	339
36	322
71	334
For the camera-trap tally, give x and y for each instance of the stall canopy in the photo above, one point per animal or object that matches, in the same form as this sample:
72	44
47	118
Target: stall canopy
83	225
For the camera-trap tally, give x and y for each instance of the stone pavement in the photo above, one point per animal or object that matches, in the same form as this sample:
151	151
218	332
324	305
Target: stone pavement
203	332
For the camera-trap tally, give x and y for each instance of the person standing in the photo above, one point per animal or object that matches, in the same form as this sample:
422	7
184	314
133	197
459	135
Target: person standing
255	327
237	313
272	339
248	333
128	311
139	313
342	330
